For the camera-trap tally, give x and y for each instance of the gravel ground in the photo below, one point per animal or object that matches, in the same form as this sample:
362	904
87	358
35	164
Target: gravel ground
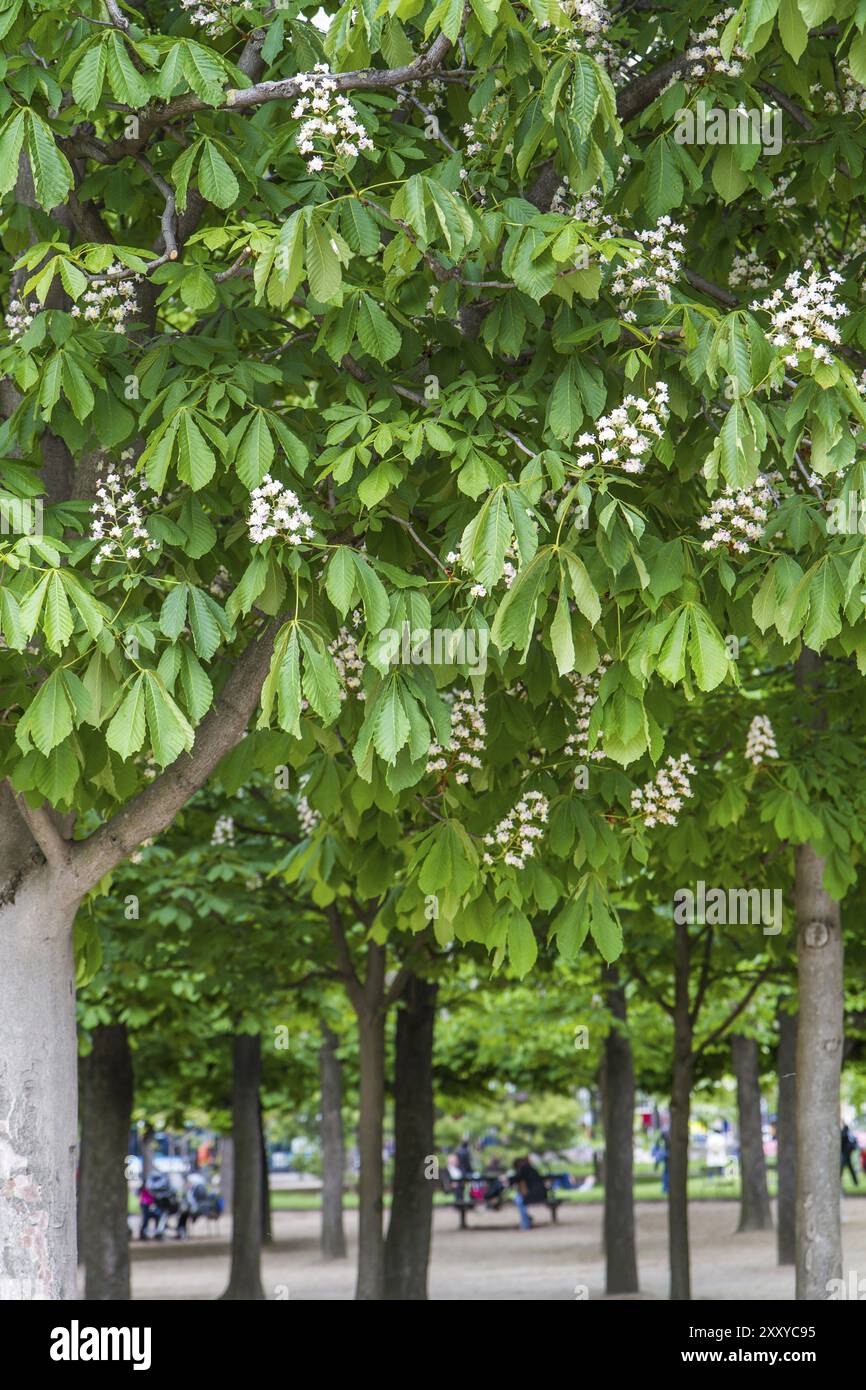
496	1260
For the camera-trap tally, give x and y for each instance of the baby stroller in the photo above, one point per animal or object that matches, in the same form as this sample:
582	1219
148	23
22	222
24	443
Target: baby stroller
158	1202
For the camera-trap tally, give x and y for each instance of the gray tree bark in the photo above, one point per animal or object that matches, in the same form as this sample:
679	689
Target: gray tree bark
333	1237
819	1050
245	1280
371	1187
407	1248
819	1062
754	1194
786	1138
617	1089
106	1117
681	1088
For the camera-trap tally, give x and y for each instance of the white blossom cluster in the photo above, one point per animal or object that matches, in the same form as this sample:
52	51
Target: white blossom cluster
517	834
738	516
705	52
223	831
330	120
19	318
760	741
659	801
276	511
586	695
112	302
349	663
622	438
655	270
118	515
849	100
593	20
747	269
214	16
468	738
308	819
804	314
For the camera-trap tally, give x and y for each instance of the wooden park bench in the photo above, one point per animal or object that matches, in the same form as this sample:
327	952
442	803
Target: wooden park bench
459	1189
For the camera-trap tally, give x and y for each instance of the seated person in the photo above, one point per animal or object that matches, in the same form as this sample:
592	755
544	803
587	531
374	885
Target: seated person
530	1189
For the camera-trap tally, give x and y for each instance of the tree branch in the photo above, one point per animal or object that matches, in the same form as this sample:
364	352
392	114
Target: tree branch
154	808
45	833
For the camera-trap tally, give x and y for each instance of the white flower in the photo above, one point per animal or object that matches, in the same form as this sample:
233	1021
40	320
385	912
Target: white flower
660	800
117	517
586	695
349	663
518	833
806	310
739	515
275	512
468	738
626	435
223	831
760	741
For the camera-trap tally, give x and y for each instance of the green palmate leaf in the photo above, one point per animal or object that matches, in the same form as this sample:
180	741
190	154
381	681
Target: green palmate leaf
52	176
196	463
825	599
89	78
391	725
664	183
11	141
582	587
794	30
570	927
215	178
48	720
172	615
204	616
373	595
340	579
125	733
515	617
561	634
323	262
255	452
376	333
486	539
708	654
672	656
565	409
124	79
320	681
56	614
522	946
450	860
170	731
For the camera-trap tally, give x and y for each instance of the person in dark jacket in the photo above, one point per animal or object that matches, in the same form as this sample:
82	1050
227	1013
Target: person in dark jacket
849	1147
529	1189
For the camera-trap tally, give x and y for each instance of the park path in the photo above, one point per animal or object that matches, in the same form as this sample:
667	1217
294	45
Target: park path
495	1260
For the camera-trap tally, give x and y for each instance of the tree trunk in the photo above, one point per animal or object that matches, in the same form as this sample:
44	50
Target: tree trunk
786	1138
107	1111
267	1233
618	1109
245	1280
754	1196
371	1035
819	1060
681	1087
407	1249
333	1237
820	1036
38	1078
